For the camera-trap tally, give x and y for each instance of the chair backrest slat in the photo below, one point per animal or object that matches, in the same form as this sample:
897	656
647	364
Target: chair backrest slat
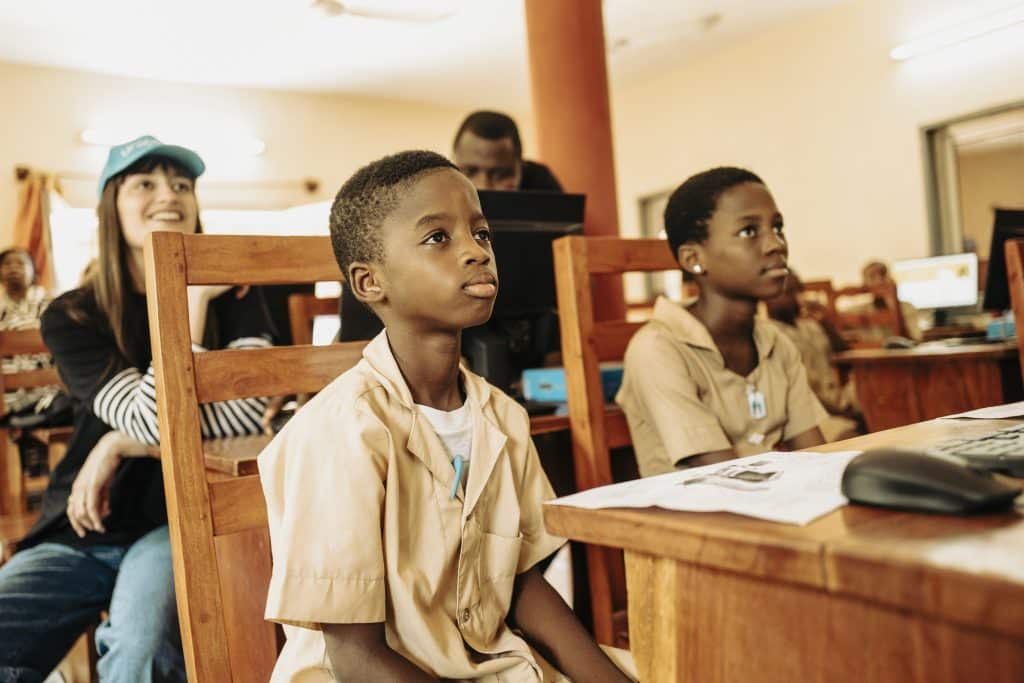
273	371
259	260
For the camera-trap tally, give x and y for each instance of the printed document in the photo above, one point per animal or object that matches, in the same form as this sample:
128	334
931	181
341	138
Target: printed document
1002	412
793	488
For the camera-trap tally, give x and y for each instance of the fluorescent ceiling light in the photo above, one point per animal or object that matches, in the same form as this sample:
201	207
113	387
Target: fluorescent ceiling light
204	143
968	30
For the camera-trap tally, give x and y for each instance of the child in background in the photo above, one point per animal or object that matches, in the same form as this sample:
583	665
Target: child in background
711	381
404	500
816	339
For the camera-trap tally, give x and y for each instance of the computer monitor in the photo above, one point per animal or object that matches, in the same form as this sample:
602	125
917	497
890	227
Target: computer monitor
1008	225
524	325
940	283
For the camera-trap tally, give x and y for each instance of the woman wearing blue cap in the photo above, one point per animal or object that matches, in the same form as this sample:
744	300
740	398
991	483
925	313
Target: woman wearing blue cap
101	542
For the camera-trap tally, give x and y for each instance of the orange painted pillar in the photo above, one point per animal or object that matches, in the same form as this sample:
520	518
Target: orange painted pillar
572	117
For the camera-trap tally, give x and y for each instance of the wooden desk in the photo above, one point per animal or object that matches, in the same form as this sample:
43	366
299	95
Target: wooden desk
861	594
899	387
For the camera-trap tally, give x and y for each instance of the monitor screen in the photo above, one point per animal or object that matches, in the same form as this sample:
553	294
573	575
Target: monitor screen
938	282
523	226
1009	224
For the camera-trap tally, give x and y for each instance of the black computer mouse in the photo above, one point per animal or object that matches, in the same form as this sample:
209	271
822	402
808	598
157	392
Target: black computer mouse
898	343
913	480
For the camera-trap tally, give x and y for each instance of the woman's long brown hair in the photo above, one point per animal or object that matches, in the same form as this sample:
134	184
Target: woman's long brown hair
111	280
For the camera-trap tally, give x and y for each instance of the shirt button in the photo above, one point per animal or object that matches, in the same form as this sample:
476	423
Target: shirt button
465	616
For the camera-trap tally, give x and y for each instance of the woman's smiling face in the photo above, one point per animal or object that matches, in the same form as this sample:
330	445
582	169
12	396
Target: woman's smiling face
159	199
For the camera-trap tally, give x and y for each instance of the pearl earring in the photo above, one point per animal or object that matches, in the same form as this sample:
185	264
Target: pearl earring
698	269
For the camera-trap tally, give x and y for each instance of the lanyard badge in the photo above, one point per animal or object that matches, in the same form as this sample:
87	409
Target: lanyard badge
756	403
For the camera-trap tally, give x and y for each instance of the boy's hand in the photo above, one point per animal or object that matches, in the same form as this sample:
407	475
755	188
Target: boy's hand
552	628
360	652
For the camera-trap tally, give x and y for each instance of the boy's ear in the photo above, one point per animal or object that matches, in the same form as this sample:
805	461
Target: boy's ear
691	258
364	281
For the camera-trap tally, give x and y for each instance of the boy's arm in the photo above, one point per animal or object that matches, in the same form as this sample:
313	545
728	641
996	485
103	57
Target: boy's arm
702	459
360	652
552	628
809	439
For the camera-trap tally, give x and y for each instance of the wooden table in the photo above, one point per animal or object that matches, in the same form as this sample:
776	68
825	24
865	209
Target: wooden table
899	387
861	594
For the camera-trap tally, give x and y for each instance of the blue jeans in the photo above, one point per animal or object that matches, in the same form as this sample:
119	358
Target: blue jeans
51	593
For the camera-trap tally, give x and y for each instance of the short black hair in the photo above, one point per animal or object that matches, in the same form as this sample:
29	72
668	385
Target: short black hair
368	198
24	252
491	125
693	202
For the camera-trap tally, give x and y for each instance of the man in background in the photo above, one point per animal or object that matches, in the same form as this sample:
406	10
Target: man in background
487	149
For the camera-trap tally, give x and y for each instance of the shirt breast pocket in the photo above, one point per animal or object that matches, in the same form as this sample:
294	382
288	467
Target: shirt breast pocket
499	557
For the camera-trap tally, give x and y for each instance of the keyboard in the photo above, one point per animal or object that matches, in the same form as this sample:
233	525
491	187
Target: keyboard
1001	451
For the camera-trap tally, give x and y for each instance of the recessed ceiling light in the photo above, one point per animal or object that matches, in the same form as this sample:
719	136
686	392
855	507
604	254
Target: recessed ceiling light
967	30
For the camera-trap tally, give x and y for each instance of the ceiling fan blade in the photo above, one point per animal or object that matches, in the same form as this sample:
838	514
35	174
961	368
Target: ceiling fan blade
405	12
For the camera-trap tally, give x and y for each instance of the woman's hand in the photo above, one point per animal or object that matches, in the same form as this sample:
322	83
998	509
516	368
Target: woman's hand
89	501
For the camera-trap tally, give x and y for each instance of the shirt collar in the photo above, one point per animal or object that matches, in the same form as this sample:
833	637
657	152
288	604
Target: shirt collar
684	326
382	361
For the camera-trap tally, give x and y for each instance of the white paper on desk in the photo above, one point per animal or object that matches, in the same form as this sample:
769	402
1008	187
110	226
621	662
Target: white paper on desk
1002	412
794	488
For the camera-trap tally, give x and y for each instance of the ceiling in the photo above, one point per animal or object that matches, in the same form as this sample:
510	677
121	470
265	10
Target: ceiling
474	55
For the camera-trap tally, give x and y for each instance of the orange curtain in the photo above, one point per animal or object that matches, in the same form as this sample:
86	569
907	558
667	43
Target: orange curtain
32	225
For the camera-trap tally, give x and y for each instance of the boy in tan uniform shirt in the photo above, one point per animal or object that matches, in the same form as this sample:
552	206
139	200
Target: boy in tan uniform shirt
711	381
390	562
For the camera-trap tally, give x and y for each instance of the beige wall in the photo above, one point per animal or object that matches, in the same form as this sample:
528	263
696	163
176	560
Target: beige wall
323	136
989	178
817	108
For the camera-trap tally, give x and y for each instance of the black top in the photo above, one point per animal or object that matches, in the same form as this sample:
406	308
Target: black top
87	358
537	176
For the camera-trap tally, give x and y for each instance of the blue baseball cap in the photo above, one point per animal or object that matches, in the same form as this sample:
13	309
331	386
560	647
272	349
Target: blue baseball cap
124	155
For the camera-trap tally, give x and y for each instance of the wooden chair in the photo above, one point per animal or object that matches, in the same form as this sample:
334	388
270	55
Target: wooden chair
1014	253
79	664
595	430
867	325
15	486
218	524
302	309
820	292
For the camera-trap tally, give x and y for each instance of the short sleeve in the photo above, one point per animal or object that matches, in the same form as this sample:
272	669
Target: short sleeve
323	480
660	393
803	409
534	491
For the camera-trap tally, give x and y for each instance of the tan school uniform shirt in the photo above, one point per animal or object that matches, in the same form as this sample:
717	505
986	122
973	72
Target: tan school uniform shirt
680	400
363	528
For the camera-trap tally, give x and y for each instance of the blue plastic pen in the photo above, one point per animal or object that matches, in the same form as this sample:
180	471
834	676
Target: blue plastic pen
458	463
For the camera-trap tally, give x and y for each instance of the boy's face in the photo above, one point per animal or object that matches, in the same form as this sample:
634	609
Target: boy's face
745	252
438	271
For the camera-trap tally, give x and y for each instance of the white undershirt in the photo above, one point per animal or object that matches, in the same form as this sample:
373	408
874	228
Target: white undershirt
454	428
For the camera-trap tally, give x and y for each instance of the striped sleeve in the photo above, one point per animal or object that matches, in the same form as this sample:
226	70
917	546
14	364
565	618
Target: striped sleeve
127	402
